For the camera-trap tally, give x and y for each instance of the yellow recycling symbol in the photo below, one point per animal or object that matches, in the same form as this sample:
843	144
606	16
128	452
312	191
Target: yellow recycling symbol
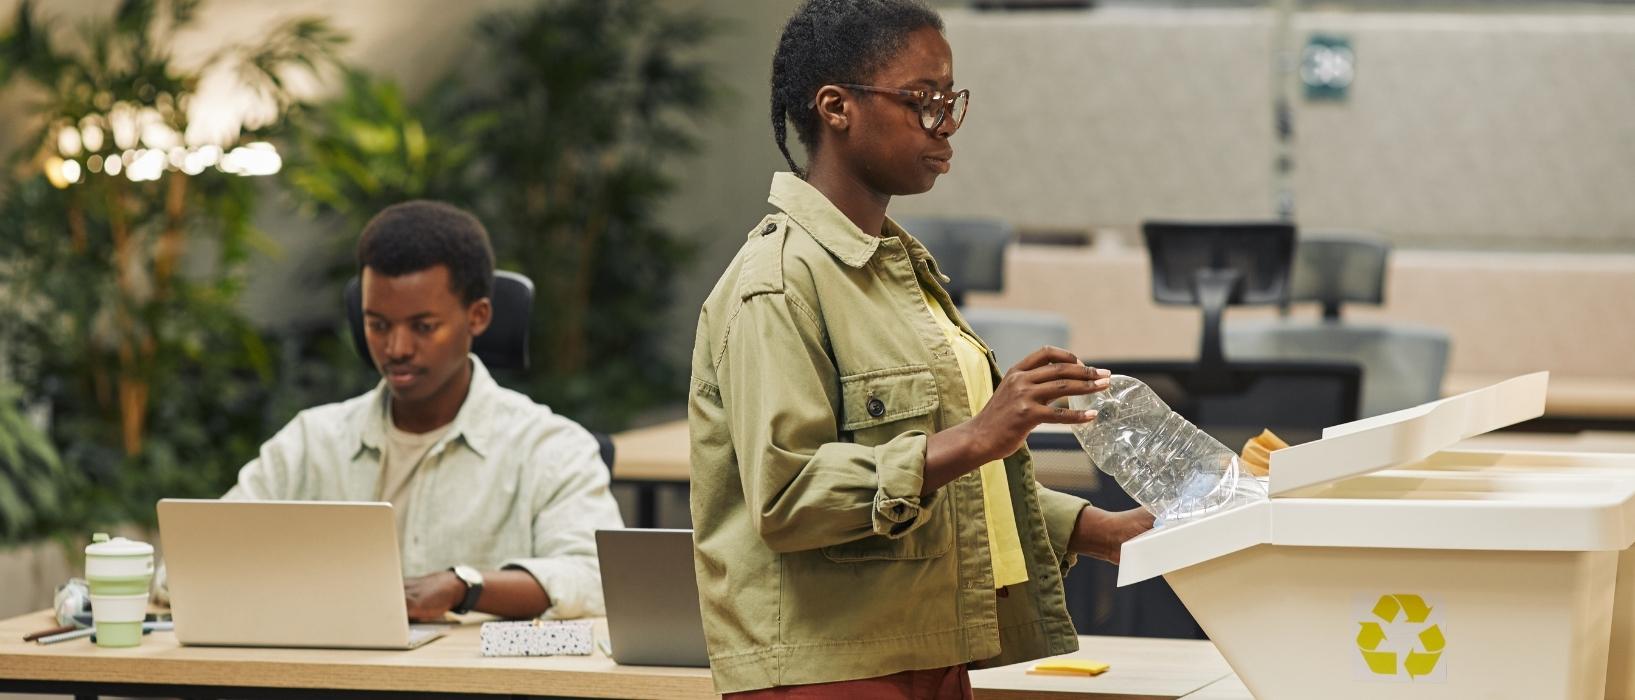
1421	660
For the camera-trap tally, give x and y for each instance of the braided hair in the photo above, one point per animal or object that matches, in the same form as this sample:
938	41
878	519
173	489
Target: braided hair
834	41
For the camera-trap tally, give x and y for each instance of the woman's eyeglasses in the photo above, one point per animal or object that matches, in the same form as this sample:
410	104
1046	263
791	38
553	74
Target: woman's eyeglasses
935	105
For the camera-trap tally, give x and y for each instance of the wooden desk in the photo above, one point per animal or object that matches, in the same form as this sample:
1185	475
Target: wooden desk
1228	688
654	453
1142	668
650	459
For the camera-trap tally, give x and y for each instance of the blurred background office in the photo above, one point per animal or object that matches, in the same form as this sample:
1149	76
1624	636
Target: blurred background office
183	182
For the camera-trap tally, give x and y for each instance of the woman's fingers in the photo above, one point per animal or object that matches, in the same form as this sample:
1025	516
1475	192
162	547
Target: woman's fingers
1062	388
1046	355
1063	414
1056	381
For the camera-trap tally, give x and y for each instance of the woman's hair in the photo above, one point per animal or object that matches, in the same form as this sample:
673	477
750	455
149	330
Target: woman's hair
835	41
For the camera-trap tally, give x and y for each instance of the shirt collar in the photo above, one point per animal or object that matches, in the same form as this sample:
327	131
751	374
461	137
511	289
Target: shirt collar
822	220
468	424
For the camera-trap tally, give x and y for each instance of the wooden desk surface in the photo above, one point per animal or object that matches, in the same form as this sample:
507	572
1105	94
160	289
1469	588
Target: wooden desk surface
654	453
448	665
1141	668
1228	688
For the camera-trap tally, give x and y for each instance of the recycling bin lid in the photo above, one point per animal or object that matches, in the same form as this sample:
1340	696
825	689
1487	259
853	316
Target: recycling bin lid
1359	487
1409	435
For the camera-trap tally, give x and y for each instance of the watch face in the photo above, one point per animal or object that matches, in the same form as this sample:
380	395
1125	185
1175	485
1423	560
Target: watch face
470	576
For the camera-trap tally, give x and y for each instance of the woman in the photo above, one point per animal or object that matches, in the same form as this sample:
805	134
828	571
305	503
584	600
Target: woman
865	513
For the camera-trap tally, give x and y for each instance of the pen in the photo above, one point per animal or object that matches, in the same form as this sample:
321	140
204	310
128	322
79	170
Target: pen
147	627
31	636
65	636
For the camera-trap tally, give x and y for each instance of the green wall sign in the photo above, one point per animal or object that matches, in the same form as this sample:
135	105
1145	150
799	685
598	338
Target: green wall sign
1327	67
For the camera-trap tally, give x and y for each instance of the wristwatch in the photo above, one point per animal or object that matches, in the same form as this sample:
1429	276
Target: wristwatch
473	580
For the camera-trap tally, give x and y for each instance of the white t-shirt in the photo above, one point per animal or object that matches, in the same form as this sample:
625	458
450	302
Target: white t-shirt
400	461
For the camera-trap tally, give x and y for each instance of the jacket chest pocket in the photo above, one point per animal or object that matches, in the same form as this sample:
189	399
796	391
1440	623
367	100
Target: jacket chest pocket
877	406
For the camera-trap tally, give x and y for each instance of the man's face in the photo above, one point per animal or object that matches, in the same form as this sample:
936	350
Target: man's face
418	330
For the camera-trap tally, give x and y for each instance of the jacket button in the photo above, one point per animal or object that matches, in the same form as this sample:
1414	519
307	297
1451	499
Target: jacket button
876	407
769	229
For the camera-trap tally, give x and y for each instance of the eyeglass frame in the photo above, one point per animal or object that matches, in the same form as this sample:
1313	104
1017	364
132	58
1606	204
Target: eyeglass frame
927	98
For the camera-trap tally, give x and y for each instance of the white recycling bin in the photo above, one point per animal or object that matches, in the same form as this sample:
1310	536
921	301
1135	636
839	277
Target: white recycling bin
1383	566
1621	652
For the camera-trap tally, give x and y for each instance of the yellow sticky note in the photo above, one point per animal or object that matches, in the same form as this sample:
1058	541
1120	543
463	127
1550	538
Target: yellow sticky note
1070	667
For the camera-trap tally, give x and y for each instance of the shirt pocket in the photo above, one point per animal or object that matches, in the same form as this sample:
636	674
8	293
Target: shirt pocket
877	406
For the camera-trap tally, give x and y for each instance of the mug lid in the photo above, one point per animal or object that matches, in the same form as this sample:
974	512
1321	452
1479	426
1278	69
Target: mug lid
117	547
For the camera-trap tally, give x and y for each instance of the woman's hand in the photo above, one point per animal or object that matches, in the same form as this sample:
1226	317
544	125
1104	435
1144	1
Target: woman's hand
1102	534
1020	403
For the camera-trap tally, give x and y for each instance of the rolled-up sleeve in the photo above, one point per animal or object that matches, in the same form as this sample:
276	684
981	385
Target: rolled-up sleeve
1061	513
571	504
805	487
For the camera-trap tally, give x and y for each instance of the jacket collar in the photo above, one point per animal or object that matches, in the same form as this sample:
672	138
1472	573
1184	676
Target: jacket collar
831	229
815	213
468	424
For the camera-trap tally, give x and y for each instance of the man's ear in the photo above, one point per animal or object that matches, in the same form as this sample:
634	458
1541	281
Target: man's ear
834	108
479	315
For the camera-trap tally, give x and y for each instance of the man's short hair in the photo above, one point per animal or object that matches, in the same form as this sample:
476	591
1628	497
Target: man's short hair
421	234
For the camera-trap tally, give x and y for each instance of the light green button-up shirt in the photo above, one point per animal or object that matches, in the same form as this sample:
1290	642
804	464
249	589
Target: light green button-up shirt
511	484
818	373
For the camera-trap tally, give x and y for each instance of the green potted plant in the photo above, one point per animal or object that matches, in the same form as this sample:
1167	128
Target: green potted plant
563	132
593	104
124	238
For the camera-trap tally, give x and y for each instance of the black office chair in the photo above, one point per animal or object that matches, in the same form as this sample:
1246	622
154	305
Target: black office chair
1403	363
503	346
1234	402
1212	265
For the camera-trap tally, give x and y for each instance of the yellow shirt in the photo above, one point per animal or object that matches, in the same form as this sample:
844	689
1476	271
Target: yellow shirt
1004	545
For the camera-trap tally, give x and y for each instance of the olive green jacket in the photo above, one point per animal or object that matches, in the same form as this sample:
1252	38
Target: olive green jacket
818	372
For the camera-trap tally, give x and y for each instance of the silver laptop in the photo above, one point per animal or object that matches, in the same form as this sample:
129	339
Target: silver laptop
286	574
651	597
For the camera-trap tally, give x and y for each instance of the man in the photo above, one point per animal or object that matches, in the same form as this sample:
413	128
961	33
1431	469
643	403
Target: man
497	498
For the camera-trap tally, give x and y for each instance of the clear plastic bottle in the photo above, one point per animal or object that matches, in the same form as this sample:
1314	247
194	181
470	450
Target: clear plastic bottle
1163	461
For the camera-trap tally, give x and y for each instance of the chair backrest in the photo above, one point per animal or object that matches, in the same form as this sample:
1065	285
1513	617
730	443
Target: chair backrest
1211	265
1259	252
503	346
970	251
1403	365
1337	267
